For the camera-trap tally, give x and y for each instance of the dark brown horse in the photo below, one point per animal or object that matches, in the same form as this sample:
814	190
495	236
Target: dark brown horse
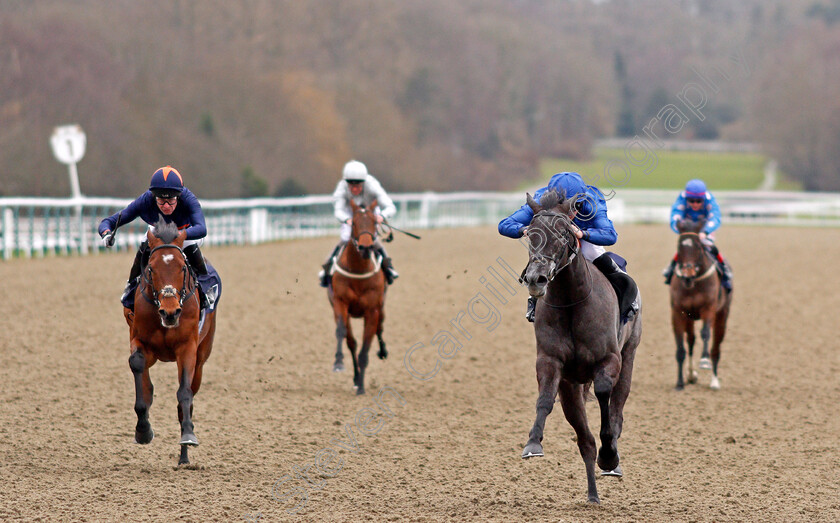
165	326
358	291
580	338
697	294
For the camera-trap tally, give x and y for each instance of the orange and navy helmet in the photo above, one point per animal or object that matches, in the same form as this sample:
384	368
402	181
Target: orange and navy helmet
166	183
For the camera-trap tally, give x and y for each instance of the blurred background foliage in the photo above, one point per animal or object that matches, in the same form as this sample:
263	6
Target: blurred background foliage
265	97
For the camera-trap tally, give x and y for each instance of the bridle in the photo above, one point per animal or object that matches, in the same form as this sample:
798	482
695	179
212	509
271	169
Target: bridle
372	234
556	269
169	291
697	268
377	260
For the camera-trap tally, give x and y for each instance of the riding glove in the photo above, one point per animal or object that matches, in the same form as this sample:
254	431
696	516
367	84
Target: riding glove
108	239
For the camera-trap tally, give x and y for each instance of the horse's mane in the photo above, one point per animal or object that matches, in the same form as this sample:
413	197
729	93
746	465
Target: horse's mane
688	225
552	198
166	231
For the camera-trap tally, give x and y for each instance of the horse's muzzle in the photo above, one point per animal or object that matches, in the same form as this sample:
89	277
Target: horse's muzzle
170	320
536	283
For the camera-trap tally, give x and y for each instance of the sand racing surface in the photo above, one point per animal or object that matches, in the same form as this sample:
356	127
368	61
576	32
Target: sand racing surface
283	438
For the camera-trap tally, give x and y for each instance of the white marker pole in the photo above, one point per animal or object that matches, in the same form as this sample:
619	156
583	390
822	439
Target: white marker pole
68	145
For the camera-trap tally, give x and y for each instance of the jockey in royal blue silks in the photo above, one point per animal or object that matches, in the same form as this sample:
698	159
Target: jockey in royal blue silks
696	203
595	229
166	197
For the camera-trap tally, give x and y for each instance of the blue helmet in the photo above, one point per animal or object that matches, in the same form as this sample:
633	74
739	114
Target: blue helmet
695	189
166	183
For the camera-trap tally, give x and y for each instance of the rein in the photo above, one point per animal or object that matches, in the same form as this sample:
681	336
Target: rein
377	263
588	294
168	291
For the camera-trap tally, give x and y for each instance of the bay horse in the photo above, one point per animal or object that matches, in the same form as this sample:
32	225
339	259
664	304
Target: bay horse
358	291
697	294
580	339
165	326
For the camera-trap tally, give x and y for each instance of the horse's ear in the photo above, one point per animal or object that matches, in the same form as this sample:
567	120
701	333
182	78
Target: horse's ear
353	205
532	203
566	207
152	240
179	240
373	205
699	224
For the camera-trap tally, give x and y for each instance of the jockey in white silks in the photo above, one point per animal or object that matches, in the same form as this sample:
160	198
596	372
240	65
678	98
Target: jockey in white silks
362	188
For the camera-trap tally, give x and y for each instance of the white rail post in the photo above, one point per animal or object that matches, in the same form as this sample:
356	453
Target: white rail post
8	233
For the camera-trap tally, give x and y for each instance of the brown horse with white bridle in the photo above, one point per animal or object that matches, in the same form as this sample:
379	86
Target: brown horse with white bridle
358	291
697	294
165	326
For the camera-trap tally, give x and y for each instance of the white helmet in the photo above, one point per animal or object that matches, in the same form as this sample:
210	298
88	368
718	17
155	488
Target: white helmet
354	171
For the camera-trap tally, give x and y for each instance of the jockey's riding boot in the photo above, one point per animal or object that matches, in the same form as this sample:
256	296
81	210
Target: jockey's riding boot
324	275
136	267
199	266
669	272
606	264
532	308
196	259
725	273
387	266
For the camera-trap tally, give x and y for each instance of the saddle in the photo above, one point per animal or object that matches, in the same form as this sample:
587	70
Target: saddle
625	287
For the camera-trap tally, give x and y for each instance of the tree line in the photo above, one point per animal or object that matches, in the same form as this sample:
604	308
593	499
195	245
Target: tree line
264	97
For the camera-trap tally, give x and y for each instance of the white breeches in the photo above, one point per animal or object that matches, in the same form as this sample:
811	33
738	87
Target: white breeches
591	251
346	230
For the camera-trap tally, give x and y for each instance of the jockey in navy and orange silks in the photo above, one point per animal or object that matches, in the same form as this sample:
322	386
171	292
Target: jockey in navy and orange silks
594	228
696	203
166	197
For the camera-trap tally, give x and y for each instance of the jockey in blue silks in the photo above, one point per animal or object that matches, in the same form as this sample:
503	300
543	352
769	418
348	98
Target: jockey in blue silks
166	197
696	203
595	229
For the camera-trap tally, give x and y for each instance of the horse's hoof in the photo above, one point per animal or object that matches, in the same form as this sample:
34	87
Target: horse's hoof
705	363
692	377
382	354
595	500
144	439
189	439
679	386
715	384
338	367
608	462
360	391
533	450
616	472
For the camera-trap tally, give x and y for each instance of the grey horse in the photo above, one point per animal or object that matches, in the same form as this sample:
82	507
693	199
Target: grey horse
581	339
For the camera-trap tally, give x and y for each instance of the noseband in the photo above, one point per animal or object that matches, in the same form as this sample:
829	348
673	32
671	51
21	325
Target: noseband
168	291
